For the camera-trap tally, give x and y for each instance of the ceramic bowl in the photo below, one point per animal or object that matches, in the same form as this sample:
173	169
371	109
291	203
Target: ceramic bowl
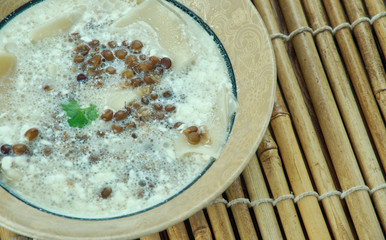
245	39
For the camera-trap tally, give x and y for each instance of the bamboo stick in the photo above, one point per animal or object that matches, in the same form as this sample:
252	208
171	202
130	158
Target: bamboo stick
178	232
296	170
359	79
200	227
374	7
219	221
304	126
154	236
273	169
257	190
5	234
369	51
338	144
347	105
240	212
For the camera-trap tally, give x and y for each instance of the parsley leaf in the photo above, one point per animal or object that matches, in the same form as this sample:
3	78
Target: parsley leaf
79	117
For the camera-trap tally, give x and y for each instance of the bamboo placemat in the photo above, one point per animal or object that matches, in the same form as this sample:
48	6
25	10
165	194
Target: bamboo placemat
319	172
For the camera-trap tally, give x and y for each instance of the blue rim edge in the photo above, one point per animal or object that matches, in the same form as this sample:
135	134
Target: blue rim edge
234	91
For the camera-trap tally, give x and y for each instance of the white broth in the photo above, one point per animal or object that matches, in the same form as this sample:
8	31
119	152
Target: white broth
108	107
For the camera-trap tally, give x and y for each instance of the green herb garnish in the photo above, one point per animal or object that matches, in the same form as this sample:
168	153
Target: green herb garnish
79	117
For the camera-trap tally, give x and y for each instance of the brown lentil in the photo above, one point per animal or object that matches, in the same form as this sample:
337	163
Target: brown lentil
127	74
166	62
170	108
95	61
154	60
19	149
81	77
100	133
94	43
157	107
78	59
131	125
31	134
146	66
134	135
130	60
136	46
117	128
136	68
136	82
82	49
110	70
120	53
120	115
106	192
107	115
112	44
137	105
190	130
154	96
144	101
5	149
166	94
194	138
108	55
47	88
148	80
177	124
159	116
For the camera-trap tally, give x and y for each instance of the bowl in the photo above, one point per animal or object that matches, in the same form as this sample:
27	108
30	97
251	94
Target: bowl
245	39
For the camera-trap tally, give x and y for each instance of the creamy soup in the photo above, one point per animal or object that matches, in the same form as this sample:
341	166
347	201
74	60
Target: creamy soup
108	107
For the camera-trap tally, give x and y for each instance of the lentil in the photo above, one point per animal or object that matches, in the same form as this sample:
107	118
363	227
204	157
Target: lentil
112	44
166	62
19	149
157	107
106	192
120	54
110	70
81	77
108	55
117	128
170	108
95	61
120	115
136	46
31	134
107	115
78	59
127	74
6	149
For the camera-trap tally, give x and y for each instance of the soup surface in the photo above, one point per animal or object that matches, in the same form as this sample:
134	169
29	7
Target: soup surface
108	107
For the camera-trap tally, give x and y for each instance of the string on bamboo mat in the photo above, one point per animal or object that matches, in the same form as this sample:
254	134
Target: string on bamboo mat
291	196
328	28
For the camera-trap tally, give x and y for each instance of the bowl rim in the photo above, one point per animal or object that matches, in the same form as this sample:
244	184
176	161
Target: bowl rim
230	164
